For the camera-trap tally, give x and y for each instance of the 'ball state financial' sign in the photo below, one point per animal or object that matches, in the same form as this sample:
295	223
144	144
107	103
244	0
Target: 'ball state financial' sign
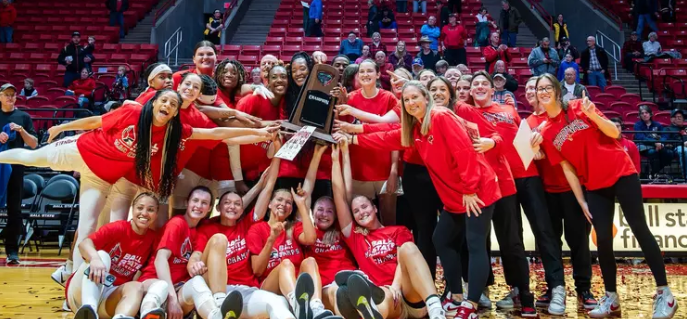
667	222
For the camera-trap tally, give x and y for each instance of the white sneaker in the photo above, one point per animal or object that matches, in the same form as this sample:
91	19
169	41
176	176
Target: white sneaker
510	301
436	313
557	304
61	275
608	306
665	304
450	308
65	306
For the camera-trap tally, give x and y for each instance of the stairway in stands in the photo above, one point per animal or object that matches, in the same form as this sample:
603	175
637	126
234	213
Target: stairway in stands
256	23
525	37
141	32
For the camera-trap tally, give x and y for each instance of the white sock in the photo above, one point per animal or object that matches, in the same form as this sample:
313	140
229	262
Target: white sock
155	297
291	298
119	316
90	291
68	266
432	302
197	291
219	297
317	306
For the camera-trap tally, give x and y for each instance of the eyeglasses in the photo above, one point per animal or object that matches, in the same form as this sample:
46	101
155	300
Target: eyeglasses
547	89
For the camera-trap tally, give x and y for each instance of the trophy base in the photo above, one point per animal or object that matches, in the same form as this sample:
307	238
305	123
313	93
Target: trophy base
317	135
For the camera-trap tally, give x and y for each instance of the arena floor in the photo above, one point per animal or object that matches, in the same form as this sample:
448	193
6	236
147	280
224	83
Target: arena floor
27	292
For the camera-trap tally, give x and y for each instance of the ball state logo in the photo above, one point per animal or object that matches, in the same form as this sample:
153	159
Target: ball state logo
274	254
129	135
186	249
116	253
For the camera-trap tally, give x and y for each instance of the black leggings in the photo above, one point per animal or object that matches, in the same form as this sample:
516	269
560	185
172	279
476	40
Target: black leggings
425	204
566	214
465	262
452	230
601	203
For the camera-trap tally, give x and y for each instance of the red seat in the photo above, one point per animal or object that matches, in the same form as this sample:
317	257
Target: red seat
274	41
54	93
62	101
662	117
37	101
605	98
593	91
622	107
612	114
633	99
250	49
653	106
616	90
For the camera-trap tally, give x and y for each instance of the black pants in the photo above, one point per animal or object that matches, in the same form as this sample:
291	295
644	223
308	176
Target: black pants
567	215
404	215
508	233
449	236
455	56
533	201
455	6
425	204
13	229
465	262
315	28
601	203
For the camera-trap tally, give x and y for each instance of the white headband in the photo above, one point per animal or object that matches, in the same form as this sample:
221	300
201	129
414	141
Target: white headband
157	70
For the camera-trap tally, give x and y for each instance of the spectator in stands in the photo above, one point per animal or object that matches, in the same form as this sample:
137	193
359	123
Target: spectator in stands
453	75
401	58
87	52
372	18
255	75
17	132
543	59
500	92
7	16
454	39
463	69
418	66
495	52
82	88
644	11
566	47
366	55
376	45
668	11
72	57
432	32
560	30
386	19
571	89
509	20
677	119
482	28
429	57
652	49
632	49
384	77
315	22
340	62
511	82
120	86
352	47
117	9
594	61
28	91
420	4
629	146
401	6
442	67
651	144
444	13
456	6
213	29
568	62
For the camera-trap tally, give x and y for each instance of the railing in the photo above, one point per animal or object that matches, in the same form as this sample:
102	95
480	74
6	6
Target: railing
228	9
534	4
608	13
612	50
162	9
172	46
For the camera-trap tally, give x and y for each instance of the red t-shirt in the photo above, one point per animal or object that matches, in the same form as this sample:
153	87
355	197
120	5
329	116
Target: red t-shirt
507	121
146	95
367	165
377	253
128	250
454	36
631	149
179	238
298	168
239	270
552	176
495	156
110	151
283	248
254	159
197	155
599	160
452	163
331	258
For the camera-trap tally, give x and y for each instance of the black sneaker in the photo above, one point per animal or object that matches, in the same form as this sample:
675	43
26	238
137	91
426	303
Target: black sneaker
528	312
232	305
305	288
86	312
346	307
587	300
341	279
360	295
544	300
157	313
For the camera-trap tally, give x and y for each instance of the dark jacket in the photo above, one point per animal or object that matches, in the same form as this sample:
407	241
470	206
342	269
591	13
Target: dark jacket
600	54
78	53
644	7
571	49
112	5
514	19
430	60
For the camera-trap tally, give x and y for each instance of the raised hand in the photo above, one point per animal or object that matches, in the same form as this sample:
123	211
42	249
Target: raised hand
588	106
54	132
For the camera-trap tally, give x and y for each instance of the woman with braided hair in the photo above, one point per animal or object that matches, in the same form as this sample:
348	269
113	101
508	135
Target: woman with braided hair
158	76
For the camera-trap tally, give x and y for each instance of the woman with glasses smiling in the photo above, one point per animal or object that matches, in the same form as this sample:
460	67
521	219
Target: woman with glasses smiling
584	142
